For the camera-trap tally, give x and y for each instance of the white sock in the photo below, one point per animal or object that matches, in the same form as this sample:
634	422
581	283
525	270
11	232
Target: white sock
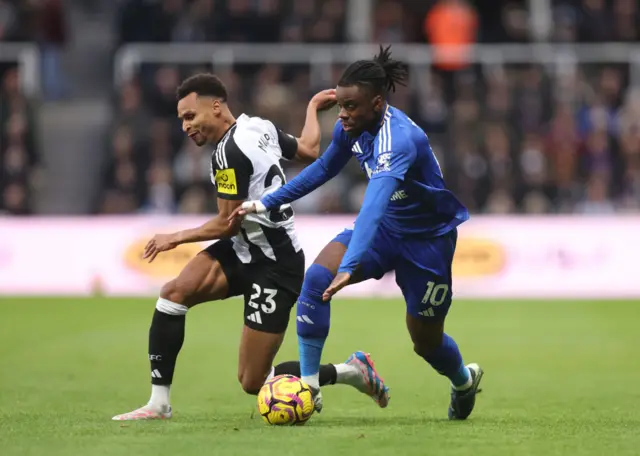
271	374
312	380
160	395
348	374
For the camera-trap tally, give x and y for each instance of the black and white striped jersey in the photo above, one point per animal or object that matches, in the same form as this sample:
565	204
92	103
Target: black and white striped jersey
245	165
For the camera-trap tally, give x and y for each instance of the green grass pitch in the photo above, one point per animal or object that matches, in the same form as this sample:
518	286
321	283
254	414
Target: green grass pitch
561	379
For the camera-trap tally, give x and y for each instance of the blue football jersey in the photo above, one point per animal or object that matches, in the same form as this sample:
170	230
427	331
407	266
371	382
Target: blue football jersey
422	205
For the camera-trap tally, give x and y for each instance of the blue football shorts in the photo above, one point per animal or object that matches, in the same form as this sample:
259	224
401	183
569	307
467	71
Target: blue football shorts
422	267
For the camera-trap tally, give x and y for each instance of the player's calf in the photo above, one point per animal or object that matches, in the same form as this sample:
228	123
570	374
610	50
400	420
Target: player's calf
166	336
201	280
313	320
442	353
438	349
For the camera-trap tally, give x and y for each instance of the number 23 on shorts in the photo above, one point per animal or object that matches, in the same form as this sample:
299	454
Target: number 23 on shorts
269	305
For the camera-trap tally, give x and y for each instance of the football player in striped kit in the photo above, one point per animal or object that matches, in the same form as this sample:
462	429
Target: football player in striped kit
259	257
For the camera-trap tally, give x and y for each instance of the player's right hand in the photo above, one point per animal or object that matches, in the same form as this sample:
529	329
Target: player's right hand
324	100
159	243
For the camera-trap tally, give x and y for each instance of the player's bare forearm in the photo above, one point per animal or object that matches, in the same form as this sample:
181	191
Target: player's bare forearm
309	140
216	228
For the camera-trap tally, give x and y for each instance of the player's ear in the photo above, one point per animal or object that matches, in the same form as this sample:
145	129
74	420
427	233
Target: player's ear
378	103
216	106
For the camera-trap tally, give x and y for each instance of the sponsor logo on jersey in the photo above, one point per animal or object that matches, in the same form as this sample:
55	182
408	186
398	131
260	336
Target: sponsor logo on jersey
226	181
478	257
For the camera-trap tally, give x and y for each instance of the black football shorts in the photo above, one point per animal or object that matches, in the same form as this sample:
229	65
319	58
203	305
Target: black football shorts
270	288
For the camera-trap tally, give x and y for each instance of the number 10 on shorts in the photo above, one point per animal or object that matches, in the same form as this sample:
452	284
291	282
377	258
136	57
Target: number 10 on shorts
435	294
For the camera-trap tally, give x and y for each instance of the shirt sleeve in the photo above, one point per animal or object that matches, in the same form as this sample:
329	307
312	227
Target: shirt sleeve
313	176
288	144
233	171
376	200
395	162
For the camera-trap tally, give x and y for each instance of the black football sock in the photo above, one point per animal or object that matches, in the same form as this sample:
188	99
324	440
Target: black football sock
166	336
328	374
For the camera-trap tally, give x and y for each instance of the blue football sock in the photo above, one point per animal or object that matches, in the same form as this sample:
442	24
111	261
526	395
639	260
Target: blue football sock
313	317
447	360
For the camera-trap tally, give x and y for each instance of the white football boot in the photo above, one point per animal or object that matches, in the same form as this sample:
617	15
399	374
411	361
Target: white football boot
147	412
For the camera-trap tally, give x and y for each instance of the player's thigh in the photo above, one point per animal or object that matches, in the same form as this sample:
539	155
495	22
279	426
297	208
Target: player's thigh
270	294
428	299
372	265
211	275
424	276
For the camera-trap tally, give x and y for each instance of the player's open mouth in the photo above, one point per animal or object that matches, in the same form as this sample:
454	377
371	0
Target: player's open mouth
193	135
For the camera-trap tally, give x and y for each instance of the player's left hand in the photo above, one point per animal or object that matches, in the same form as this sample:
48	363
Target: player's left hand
340	281
323	100
159	243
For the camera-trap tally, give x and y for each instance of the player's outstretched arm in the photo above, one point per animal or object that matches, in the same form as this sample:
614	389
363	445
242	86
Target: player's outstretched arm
376	200
216	228
313	176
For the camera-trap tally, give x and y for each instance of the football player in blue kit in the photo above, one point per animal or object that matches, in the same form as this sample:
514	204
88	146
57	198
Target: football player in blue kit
407	224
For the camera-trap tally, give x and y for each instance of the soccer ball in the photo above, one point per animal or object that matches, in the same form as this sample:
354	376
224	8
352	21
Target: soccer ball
285	400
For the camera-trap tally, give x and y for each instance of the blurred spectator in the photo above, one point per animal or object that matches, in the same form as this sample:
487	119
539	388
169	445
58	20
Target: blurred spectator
18	153
451	27
10	22
50	33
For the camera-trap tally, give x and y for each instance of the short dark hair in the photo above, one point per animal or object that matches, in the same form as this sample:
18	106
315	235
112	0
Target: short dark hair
203	84
381	73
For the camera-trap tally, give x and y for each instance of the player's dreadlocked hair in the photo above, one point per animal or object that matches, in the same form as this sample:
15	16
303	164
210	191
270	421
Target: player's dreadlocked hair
382	73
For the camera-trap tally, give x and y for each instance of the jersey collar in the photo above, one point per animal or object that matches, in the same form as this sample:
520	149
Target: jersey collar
226	133
370	135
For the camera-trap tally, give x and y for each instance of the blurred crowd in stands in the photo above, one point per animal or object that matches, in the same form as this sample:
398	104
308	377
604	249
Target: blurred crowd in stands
40	22
18	151
514	139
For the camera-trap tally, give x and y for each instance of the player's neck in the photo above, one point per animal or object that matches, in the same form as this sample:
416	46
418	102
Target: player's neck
376	127
227	123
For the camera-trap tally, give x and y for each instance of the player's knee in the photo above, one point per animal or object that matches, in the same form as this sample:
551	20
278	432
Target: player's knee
251	384
316	279
177	292
312	314
427	345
